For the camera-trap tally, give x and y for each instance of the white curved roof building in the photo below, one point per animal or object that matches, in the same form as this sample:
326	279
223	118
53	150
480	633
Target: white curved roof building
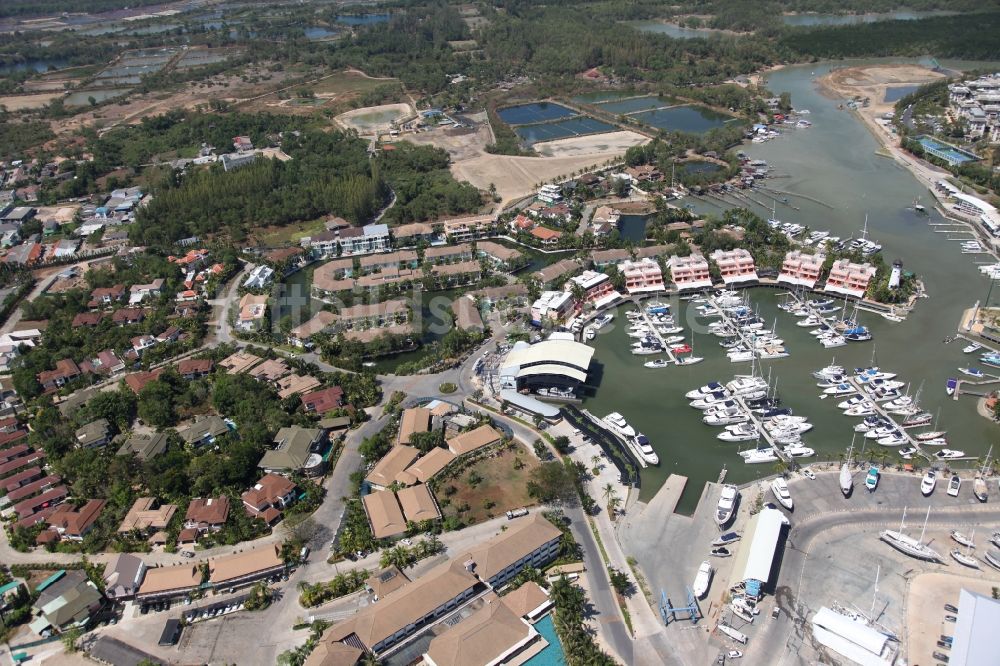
550	362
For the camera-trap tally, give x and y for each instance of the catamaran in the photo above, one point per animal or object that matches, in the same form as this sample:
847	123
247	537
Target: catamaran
907	544
727	505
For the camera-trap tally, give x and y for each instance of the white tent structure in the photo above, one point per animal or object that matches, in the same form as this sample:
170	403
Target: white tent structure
975	631
755	557
852	639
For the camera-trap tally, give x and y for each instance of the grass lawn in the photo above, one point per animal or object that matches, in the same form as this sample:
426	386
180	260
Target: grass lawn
348	83
501	483
278	236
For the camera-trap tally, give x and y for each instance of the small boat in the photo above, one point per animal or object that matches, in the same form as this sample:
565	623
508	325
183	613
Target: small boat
737	636
992	558
658	363
779	488
680	349
927	436
964	559
690	360
972	372
954	485
928	482
995	539
949	454
727	538
906	453
727	505
950	386
871	480
703	579
962	539
846	479
972	348
589	333
721	551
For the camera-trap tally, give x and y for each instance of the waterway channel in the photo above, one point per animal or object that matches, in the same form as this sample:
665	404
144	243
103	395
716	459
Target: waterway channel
835	162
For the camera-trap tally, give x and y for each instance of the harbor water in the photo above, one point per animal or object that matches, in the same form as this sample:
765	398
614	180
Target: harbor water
834	162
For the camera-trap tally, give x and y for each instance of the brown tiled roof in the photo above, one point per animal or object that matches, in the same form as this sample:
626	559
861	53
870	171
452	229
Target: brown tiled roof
394	462
418	504
195	366
323	400
75	522
208	510
139	380
384	514
87	319
468	442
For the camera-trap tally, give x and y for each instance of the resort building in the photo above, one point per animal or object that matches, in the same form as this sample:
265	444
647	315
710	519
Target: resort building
736	266
690	272
550	193
493	634
597	289
500	256
849	279
800	269
384	473
386	262
972	207
473	440
412	421
448	254
377	315
643	276
464	229
384	514
349	241
551	307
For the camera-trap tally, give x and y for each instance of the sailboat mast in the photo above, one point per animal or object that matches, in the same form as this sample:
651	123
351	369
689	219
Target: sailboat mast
924	528
871	613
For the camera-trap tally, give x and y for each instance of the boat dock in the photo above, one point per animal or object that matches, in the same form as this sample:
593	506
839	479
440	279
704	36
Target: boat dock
663	341
784	457
630	446
747	339
881	411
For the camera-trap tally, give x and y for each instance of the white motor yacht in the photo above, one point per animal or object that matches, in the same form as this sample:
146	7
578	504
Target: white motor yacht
711	387
779	488
618	424
727	505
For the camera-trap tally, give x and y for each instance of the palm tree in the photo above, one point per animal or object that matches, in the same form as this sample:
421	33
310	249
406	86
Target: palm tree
608	491
595	460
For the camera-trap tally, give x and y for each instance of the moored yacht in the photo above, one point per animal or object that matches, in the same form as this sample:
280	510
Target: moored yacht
618	424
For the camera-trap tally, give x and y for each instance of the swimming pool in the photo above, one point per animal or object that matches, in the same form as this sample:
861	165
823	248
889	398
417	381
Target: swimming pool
948	153
553	654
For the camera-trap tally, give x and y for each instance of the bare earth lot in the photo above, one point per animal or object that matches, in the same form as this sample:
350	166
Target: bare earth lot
501	484
27	102
872	82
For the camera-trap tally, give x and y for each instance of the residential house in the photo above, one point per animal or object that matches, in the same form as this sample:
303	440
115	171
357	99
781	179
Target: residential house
350	241
452	275
377	263
66	600
144	446
260	277
384	473
140	380
126	316
205	515
473	440
74	523
467	316
690	272
643	173
800	269
172	334
204	430
557	272
65	247
140	292
25	254
94	435
269	497
107	296
141	343
122	577
295	384
87	319
408	235
849	278
412	421
464	229
384	515
66	370
295	450
323	400
320	322
448	254
333	276
500	256
239	362
736	266
195	368
270	370
546	236
147	515
252	312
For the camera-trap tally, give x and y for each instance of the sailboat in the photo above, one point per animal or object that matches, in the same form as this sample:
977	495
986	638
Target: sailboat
691	359
965	558
934	434
846	479
907	544
979	485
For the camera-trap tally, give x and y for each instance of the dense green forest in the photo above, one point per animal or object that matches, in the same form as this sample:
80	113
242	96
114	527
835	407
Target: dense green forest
329	172
969	36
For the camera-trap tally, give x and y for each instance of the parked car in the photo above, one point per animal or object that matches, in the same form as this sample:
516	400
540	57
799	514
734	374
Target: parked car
187	553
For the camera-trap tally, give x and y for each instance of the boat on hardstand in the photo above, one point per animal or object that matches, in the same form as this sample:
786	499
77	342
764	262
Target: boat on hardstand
727	538
964	559
736	635
928	482
979	487
908	545
871	480
727	505
846	478
721	551
992	558
779	488
703	579
962	539
954	485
